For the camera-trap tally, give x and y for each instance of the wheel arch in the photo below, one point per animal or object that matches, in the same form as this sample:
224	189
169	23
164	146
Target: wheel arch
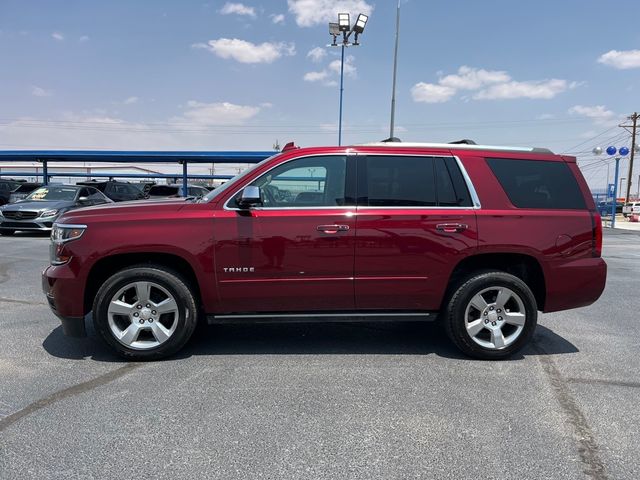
107	266
526	267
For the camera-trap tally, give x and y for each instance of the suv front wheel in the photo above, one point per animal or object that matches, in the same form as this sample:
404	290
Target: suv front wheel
491	315
145	312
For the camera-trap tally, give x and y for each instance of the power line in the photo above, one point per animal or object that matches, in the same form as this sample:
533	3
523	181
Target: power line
592	138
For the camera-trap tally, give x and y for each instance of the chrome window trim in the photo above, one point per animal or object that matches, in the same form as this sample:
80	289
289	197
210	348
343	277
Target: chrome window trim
415	207
475	200
472	189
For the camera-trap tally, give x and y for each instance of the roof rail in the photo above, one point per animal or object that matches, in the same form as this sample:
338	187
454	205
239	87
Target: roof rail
458	146
464	141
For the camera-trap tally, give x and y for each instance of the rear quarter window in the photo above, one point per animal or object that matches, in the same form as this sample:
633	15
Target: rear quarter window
538	184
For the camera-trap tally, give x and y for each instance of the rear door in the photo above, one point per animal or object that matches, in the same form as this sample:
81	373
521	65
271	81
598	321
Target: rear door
415	221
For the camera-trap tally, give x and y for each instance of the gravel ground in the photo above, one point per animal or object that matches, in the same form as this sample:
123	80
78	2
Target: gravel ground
321	401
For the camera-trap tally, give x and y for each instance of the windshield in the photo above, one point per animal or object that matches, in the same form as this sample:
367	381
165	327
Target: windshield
229	183
53	193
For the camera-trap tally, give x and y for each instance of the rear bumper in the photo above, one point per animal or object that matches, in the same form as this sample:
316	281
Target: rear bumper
65	299
575	284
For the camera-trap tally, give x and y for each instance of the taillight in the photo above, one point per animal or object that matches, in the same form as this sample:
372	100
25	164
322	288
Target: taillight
596	242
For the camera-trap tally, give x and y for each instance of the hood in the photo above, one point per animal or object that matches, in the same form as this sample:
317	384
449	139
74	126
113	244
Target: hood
138	208
38	205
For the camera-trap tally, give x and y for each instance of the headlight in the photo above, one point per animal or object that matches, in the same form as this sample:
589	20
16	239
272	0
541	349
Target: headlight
49	213
61	234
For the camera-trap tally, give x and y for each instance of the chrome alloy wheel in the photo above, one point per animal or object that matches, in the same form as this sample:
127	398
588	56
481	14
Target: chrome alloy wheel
142	315
495	317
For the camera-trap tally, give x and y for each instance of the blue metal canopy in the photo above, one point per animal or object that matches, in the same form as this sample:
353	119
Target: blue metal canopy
127	156
134	157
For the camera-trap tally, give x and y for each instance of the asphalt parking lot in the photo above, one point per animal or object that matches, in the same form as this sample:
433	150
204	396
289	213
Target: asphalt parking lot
321	401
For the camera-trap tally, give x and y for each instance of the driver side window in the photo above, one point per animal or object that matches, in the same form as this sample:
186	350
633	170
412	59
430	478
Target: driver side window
305	182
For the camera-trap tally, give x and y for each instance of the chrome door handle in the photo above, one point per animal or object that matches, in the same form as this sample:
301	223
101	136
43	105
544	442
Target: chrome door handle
332	228
451	227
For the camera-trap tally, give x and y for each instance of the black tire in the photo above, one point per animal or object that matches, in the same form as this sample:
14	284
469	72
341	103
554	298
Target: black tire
7	233
177	286
455	322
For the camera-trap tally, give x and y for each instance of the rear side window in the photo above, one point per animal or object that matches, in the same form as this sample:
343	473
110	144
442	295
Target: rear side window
538	184
395	181
408	181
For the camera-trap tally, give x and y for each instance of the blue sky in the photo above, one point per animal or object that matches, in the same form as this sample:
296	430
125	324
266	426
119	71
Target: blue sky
221	75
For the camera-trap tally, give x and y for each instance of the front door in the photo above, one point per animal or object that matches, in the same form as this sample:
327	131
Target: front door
293	253
415	221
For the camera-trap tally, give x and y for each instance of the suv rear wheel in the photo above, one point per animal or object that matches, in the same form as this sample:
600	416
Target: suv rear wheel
491	315
145	312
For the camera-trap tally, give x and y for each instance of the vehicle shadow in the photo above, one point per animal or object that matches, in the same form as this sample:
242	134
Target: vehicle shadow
397	338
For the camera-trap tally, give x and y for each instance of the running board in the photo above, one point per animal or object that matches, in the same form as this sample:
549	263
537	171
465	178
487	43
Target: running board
334	317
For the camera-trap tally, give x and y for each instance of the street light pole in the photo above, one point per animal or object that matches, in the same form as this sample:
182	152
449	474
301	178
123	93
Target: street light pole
344	27
341	93
395	71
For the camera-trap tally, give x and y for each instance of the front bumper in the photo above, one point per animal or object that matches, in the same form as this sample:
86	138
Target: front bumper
62	295
38	224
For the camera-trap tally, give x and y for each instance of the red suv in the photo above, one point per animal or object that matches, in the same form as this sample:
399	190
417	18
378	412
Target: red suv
479	237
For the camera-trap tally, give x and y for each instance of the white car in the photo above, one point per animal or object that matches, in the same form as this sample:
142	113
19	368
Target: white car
632	208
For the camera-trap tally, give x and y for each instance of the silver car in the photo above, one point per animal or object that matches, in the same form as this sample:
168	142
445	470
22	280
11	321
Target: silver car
43	206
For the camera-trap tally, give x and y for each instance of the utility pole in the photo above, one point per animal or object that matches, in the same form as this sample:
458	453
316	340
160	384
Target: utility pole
633	127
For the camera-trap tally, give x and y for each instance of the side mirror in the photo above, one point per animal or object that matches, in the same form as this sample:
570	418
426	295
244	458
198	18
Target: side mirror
250	196
83	200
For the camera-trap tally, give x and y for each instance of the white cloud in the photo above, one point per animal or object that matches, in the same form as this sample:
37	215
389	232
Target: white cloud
598	113
277	18
487	85
57	36
622	60
230	8
349	68
223	113
473	78
431	93
83	38
40	92
317	54
541	89
131	100
546	116
247	52
316	76
199	126
309	13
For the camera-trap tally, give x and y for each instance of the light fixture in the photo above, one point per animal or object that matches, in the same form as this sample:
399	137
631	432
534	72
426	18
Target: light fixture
344	22
334	31
360	23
